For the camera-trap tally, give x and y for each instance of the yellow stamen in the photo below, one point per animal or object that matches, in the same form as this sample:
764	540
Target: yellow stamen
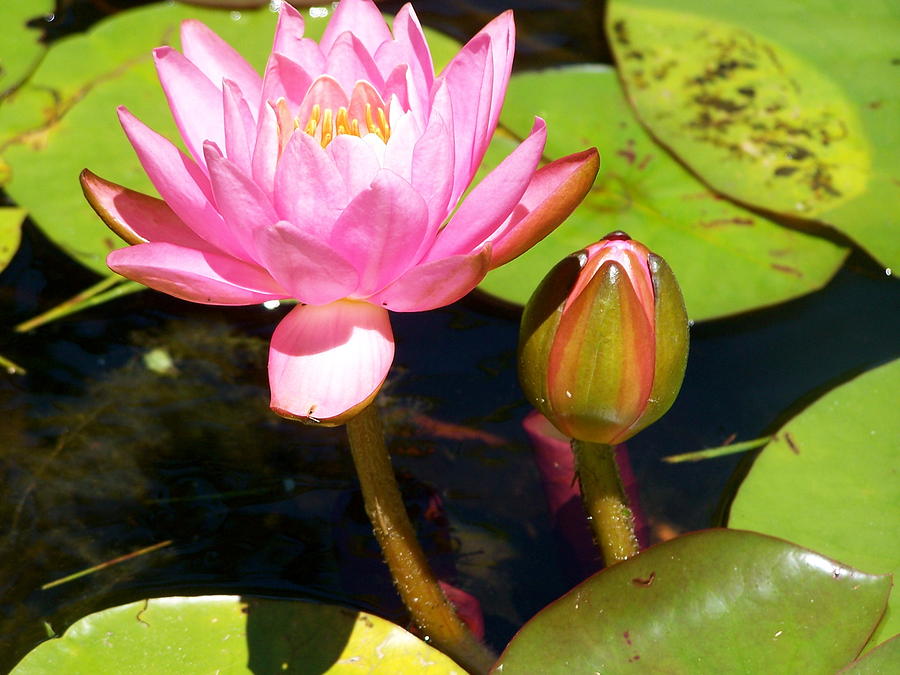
313	122
325	124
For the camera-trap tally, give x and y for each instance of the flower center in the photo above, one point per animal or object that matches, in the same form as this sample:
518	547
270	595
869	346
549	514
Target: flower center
325	124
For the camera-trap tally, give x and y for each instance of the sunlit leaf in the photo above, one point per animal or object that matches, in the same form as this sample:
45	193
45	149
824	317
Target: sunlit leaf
880	661
718	601
829	479
10	233
20	50
726	258
229	634
789	107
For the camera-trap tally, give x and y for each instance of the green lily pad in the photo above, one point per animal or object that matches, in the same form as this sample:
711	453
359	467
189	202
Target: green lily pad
829	479
10	233
882	660
788	107
726	259
64	118
20	50
230	634
717	601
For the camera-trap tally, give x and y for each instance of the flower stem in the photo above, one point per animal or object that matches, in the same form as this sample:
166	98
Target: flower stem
418	587
605	500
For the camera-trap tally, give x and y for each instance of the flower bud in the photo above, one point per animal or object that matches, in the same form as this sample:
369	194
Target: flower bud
603	342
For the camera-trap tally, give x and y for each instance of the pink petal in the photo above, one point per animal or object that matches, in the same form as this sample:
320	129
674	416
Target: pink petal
242	204
359	17
196	102
217	59
267	149
397	84
380	231
309	190
327	362
432	170
285	79
435	284
409	47
364	97
137	218
198	276
305	265
349	62
502	30
469	80
326	93
240	127
288	30
553	193
355	160
180	182
398	151
492	200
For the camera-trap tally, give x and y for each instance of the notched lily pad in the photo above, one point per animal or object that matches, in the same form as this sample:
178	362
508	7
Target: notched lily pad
718	601
229	634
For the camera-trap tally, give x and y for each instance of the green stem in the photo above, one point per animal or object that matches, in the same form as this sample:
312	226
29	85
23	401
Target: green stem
104	290
418	587
605	500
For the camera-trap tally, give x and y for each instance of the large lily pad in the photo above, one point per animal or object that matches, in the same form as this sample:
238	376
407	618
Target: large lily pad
718	601
229	634
789	107
727	259
64	118
10	233
20	49
829	479
880	661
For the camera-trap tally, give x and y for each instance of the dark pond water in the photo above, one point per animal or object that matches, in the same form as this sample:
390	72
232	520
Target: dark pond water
145	421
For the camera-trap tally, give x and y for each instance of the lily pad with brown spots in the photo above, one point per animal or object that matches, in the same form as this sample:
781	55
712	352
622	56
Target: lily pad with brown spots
790	107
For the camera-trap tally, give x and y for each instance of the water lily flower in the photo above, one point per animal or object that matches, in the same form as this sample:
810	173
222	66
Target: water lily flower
337	179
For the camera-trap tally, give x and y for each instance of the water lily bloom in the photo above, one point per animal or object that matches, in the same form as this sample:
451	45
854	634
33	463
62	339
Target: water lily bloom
336	178
603	342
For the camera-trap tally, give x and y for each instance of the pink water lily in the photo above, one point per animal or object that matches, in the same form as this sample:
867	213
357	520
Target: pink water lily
335	179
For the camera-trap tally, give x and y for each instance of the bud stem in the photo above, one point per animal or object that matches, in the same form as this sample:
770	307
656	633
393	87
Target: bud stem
429	608
605	500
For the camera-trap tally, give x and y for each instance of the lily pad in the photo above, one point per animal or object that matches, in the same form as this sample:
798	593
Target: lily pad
10	233
717	601
829	479
64	118
880	661
727	259
20	50
230	634
788	107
